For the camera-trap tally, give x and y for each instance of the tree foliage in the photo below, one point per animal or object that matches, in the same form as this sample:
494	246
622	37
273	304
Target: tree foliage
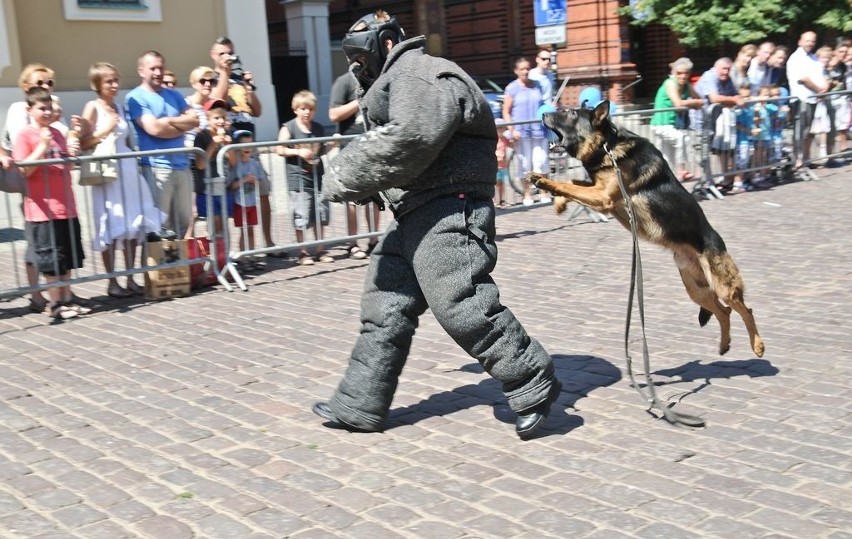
703	23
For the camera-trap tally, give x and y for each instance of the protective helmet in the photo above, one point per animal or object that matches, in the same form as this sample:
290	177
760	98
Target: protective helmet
364	45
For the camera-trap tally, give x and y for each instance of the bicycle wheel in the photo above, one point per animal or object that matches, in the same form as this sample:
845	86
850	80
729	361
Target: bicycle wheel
515	178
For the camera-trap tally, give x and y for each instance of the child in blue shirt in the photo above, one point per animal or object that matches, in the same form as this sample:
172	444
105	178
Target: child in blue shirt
779	120
765	115
248	174
747	131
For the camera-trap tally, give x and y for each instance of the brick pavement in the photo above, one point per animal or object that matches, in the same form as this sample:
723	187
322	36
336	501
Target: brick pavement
191	418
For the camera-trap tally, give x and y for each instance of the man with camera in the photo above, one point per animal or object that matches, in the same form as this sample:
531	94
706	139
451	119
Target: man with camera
234	86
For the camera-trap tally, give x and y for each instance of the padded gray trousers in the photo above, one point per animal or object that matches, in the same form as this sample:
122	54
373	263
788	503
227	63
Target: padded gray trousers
438	256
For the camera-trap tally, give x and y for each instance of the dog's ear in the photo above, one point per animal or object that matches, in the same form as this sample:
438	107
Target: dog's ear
602	111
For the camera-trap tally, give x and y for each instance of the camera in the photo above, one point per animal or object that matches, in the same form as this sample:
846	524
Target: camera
236	67
237	71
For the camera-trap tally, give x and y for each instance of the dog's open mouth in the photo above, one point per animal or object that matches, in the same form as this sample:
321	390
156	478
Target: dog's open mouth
551	121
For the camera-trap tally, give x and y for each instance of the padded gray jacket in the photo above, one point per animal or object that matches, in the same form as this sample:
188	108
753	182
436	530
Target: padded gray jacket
430	133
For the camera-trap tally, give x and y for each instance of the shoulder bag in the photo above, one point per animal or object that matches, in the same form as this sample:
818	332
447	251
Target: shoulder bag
100	171
12	181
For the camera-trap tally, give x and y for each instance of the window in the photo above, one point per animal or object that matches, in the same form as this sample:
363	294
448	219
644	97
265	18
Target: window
110	3
113	10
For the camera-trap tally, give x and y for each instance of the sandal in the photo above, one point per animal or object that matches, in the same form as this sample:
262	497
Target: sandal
115	291
324	257
305	260
356	253
370	247
135	289
37	307
61	312
736	190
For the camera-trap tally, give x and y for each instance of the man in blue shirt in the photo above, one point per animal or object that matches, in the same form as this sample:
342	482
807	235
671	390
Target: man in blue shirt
720	95
161	117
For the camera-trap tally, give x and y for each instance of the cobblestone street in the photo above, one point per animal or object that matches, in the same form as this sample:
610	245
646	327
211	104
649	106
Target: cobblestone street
190	418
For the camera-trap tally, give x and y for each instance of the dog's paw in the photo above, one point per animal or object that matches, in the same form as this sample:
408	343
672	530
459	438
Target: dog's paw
534	178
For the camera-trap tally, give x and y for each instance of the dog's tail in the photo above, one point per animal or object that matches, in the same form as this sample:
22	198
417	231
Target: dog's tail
703	316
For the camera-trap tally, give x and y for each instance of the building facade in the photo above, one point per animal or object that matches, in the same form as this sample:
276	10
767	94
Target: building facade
70	35
486	36
291	45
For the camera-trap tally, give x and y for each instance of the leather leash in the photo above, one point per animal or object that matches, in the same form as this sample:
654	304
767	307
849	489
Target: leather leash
636	286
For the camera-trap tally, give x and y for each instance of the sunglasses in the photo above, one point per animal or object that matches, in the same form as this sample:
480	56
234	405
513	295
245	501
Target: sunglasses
208	81
48	82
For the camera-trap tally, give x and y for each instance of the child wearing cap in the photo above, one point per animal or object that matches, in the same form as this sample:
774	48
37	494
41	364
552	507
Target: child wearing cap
211	140
249	175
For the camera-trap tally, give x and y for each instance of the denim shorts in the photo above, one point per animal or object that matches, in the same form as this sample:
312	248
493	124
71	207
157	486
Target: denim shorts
304	207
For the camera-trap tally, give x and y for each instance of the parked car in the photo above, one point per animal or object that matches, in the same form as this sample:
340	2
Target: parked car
494	94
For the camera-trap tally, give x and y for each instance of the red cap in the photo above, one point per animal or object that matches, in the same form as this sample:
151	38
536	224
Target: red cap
215	104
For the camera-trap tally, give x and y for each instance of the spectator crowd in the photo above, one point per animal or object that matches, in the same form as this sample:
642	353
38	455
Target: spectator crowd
743	105
749	102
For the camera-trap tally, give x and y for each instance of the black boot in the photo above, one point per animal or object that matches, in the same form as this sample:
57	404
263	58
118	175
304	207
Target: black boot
530	420
324	411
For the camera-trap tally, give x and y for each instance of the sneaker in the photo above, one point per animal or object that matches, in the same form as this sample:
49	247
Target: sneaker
325	258
77	308
545	200
356	253
61	312
305	260
528	201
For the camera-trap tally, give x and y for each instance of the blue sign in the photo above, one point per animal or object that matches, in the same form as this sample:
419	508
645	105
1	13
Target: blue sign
550	12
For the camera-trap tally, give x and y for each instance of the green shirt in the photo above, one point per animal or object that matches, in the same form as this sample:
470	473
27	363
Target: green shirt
663	101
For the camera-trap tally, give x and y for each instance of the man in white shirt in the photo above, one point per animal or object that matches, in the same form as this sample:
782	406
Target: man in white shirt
759	69
805	74
543	74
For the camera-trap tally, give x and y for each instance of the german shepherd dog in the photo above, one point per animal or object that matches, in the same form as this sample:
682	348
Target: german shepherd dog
666	214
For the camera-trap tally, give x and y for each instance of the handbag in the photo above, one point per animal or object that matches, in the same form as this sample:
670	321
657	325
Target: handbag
202	274
100	171
12	181
682	120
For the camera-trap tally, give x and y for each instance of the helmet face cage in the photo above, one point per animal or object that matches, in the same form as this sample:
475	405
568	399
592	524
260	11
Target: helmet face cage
364	46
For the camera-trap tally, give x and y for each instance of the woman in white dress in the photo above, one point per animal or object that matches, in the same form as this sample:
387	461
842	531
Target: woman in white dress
124	211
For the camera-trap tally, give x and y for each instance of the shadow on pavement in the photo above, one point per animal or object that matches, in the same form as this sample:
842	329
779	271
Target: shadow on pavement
579	375
695	371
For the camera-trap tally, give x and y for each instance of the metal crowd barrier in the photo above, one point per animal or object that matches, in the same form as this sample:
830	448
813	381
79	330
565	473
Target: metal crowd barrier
335	233
837	102
343	227
14	245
